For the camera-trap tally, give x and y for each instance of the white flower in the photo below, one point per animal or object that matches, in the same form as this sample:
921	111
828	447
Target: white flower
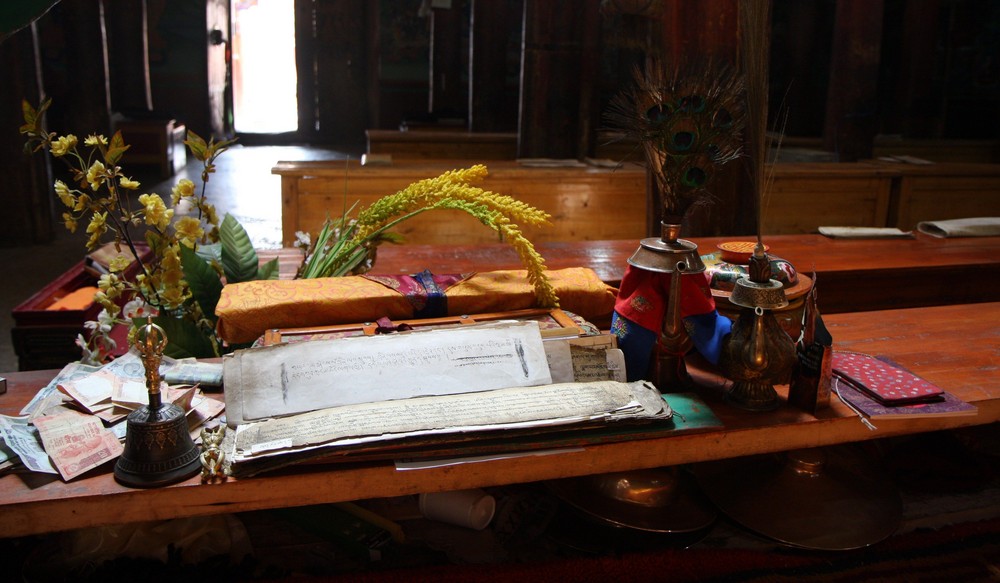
302	239
137	308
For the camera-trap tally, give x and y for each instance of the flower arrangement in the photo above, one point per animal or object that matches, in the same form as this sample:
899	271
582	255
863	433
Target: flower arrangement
346	245
179	281
191	254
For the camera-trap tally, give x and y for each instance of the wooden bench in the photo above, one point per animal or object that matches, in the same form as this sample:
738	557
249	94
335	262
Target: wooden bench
594	203
585	203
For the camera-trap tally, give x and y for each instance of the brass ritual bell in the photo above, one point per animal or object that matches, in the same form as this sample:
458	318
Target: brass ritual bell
678	257
158	448
758	353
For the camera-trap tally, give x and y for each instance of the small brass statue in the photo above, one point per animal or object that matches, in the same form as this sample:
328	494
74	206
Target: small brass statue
212	457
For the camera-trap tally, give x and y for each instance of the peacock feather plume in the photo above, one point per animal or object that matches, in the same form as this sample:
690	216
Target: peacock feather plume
688	123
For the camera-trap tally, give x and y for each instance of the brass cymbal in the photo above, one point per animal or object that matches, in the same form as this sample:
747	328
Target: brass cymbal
834	498
654	500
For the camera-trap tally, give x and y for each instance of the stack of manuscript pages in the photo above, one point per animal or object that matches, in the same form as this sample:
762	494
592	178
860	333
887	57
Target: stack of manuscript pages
379	396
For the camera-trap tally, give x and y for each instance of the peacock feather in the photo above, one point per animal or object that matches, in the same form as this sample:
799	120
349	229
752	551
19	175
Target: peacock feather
688	122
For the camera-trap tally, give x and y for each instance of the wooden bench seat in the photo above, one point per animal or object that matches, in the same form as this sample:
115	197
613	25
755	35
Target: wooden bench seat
594	203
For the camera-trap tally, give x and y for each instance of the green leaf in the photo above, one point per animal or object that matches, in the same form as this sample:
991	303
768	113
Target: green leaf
203	281
116	147
269	270
239	259
184	338
210	252
196	145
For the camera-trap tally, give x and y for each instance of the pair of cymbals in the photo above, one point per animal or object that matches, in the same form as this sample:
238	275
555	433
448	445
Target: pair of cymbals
659	500
834	498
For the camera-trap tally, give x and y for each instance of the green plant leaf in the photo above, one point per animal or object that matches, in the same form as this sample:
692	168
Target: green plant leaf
210	252
203	281
184	338
269	270
239	260
196	145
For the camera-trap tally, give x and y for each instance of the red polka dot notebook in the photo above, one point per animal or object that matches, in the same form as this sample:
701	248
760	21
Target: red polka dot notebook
885	383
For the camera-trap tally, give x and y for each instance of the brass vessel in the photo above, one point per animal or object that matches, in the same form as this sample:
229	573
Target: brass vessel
758	353
678	257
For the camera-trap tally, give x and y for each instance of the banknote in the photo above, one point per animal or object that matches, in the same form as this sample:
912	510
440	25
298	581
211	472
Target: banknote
77	442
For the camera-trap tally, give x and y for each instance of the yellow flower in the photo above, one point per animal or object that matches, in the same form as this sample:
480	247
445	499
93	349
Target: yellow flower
102	298
63	145
96	174
119	263
188	230
172	289
81	202
110	285
183	188
97	227
64	194
128	183
157	214
94	140
70	222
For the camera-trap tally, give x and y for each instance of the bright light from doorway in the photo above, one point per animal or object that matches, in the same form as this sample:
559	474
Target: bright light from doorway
264	76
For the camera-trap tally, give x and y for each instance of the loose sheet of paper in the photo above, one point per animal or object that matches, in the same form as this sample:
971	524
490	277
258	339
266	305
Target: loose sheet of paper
295	378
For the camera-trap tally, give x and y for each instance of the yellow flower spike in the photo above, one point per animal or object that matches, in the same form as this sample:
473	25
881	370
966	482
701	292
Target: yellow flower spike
95	140
450	190
128	183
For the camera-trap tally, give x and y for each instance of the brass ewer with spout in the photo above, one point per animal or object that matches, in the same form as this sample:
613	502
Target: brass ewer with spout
158	447
678	257
758	353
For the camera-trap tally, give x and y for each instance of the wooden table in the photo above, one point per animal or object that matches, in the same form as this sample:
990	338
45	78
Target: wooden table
853	274
955	347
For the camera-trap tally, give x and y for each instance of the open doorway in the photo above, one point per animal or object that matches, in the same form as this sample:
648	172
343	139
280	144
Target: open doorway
263	67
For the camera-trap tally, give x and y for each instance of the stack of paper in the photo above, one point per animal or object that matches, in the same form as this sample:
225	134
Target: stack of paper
320	396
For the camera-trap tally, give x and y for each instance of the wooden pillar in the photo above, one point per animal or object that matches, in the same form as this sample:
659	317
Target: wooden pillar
28	215
87	101
852	98
333	71
916	101
558	43
699	30
492	106
448	89
707	31
128	56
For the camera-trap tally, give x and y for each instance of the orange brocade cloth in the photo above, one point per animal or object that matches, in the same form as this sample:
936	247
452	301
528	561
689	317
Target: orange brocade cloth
245	310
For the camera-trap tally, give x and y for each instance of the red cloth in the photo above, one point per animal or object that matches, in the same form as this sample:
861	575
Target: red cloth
643	296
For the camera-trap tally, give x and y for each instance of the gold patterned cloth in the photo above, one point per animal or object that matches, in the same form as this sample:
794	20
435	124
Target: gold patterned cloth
245	310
